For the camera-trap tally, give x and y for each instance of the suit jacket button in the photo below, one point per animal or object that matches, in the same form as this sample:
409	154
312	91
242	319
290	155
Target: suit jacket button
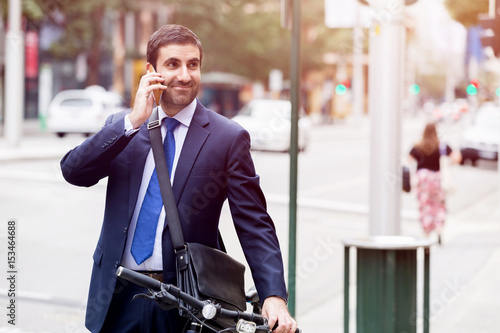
125	230
116	264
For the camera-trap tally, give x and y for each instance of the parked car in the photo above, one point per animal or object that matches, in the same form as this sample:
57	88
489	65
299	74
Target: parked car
82	110
268	122
480	141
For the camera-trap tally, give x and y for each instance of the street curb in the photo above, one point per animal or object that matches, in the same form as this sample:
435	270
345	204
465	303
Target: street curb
337	206
26	156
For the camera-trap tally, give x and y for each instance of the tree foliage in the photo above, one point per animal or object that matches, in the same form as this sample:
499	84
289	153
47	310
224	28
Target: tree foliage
466	11
242	37
239	36
81	23
246	37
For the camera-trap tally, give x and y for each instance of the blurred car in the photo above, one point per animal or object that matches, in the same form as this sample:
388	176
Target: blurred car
82	110
451	111
268	122
480	141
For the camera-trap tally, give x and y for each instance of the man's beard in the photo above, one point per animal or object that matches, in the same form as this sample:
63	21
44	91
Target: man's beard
176	100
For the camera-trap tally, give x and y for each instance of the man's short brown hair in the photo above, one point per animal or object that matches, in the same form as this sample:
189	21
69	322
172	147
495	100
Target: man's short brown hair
171	34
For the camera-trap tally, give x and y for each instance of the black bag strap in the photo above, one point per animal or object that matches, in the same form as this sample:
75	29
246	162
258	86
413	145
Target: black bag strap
172	215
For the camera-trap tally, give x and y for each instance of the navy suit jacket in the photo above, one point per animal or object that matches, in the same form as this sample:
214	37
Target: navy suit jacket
214	165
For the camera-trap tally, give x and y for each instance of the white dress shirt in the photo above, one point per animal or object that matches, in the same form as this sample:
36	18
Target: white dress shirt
154	263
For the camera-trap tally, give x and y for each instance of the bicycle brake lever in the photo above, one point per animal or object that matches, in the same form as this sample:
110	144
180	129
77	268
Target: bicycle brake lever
164	300
147	296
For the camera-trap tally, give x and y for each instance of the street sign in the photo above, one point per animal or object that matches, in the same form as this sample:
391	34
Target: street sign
276	80
342	14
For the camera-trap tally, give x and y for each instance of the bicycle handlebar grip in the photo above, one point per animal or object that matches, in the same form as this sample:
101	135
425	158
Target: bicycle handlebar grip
253	317
298	330
138	278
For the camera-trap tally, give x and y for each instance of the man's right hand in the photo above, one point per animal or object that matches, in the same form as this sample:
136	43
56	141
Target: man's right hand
144	99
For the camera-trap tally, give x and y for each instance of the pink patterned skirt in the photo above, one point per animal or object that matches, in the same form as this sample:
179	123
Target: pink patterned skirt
431	200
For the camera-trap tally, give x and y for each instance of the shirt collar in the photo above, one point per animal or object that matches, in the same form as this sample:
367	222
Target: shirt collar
184	116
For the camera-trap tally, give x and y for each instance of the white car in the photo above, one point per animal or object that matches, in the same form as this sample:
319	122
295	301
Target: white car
269	125
82	110
480	141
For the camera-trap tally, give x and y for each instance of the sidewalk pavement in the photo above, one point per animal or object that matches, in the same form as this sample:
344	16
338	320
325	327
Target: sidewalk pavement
465	270
464	278
468	267
36	144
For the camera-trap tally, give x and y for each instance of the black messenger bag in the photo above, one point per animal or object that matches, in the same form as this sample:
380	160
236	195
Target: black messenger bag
208	273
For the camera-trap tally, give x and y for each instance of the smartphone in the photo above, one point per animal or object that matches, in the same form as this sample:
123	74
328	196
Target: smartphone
157	92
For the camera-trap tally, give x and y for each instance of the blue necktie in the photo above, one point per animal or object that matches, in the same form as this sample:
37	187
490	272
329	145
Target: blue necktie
147	222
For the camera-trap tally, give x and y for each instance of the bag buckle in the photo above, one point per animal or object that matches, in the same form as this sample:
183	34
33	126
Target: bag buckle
153	124
182	258
184	249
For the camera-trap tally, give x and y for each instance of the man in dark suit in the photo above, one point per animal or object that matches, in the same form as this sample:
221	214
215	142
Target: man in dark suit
210	163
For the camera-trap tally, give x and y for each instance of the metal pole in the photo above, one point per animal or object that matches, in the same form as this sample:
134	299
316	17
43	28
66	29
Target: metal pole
493	14
346	287
14	75
295	100
358	77
427	266
385	116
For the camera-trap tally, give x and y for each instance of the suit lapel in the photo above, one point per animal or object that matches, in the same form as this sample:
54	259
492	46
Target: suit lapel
195	139
139	152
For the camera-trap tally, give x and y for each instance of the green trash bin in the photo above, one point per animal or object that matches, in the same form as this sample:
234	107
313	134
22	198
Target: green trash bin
386	284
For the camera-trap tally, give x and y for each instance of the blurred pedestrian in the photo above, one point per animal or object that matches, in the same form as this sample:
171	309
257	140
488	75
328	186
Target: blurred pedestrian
430	195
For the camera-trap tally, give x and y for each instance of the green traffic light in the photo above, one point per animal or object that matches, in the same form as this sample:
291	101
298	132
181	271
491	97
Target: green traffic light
497	92
414	89
471	89
341	89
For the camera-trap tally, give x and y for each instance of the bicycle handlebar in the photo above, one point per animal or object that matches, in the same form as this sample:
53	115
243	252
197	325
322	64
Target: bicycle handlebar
150	283
138	278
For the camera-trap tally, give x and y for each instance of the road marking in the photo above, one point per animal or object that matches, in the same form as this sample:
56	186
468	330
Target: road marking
31	175
330	187
338	206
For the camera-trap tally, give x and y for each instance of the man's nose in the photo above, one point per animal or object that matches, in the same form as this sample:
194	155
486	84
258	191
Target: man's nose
183	74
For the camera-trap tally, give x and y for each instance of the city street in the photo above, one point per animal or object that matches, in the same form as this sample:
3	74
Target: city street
59	224
361	80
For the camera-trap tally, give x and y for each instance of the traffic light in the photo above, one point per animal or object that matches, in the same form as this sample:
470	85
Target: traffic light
414	89
341	89
346	83
473	87
490	37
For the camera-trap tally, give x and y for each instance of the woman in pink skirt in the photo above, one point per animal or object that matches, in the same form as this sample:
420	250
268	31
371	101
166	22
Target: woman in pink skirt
430	196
